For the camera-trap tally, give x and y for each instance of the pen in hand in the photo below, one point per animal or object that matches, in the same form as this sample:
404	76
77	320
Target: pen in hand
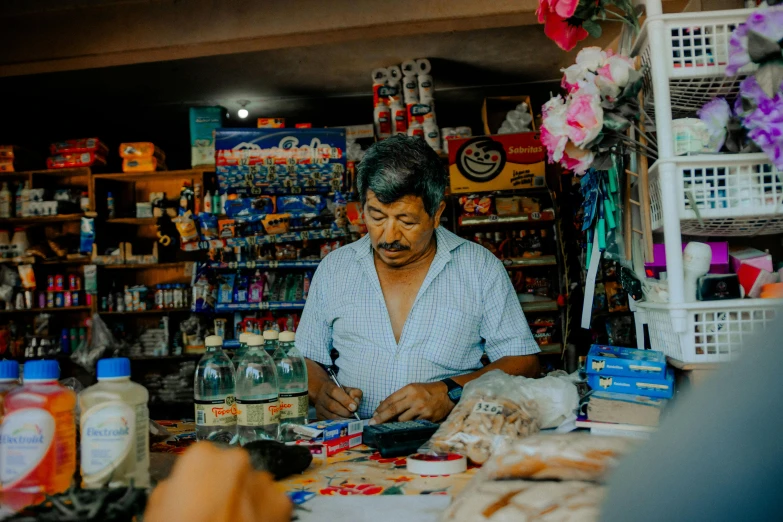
334	378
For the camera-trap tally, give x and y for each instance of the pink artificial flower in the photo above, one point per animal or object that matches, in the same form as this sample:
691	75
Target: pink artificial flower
613	76
576	159
564	8
584	116
556	27
554	134
555	145
588	62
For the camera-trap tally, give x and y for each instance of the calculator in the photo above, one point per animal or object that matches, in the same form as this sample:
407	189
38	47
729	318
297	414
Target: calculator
396	439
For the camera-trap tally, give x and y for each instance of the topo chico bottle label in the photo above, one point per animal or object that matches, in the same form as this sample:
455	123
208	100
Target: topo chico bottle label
258	412
293	405
216	412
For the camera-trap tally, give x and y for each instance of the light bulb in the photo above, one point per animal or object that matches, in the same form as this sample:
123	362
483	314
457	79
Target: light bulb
242	113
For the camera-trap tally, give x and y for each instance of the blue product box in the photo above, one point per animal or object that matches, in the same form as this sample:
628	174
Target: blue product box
280	161
327	430
203	122
625	362
645	386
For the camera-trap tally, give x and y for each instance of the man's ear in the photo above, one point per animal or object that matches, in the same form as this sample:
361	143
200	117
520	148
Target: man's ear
439	213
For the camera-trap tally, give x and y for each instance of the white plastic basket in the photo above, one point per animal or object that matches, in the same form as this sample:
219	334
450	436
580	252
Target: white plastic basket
715	331
697	52
723	195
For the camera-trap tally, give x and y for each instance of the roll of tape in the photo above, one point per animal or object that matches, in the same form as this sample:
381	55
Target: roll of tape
440	464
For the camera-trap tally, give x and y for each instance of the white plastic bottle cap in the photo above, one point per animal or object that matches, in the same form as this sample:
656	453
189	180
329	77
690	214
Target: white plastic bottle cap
244	337
255	340
270	335
213	340
287	337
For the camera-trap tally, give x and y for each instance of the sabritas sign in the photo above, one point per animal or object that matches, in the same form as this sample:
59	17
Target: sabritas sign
499	162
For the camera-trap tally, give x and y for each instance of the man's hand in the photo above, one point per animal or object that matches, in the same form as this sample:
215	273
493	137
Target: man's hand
334	403
415	401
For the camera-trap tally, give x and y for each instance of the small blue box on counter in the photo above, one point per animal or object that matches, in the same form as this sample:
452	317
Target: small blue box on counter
335	429
638	385
625	362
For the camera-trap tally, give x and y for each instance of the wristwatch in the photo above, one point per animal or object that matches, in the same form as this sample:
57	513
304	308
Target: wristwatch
455	390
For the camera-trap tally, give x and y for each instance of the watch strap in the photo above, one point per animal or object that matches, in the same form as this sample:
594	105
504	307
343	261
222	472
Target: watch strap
454	390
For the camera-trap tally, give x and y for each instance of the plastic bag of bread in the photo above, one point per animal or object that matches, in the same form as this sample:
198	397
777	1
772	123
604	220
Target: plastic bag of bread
568	456
492	412
523	500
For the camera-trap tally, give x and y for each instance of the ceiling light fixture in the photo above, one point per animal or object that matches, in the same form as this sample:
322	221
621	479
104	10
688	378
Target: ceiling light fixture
243	113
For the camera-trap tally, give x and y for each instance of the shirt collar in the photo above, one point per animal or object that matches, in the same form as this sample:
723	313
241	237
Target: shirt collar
447	241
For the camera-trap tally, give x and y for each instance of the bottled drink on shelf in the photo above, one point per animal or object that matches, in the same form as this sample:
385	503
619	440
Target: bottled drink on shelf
19	200
291	384
5	201
270	341
38	434
258	415
244	337
114	429
110	205
214	384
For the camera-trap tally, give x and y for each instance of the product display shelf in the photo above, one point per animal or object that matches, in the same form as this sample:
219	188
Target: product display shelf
133	221
264	305
39	220
35	261
718	195
152	311
523	262
290	237
157	175
551	349
147	266
539	306
534	219
62	309
305	264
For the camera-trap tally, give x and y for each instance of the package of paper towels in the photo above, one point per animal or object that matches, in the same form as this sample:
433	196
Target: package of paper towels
203	122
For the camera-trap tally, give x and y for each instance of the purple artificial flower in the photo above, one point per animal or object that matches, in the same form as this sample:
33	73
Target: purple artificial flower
715	114
765	126
767	22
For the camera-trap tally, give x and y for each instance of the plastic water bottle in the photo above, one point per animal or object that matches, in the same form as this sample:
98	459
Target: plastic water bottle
270	342
258	415
216	413
291	384
239	352
115	428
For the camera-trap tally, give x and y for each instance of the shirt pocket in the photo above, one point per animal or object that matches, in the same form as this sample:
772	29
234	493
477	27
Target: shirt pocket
453	343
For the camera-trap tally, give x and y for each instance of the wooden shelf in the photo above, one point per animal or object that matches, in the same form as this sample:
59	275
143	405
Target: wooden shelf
309	263
152	176
132	221
149	266
47	310
539	306
78	171
544	218
522	262
153	311
40	220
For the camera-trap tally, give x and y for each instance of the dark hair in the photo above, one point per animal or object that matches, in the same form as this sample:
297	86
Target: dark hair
402	166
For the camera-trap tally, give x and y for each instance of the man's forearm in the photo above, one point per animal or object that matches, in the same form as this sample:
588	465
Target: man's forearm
524	365
316	377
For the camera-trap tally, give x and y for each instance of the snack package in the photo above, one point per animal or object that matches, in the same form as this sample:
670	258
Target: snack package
208	224
493	410
86	235
475	205
75	159
27	276
559	456
276	223
142	164
80	145
523	500
226	228
141	149
310	204
616	298
186	227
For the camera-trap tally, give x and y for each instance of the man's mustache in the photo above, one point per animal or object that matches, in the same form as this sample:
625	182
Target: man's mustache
395	245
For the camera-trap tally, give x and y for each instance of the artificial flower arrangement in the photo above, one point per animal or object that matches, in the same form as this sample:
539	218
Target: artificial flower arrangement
588	128
567	22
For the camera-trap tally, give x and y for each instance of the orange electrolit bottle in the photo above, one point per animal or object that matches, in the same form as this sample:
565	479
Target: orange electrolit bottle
37	437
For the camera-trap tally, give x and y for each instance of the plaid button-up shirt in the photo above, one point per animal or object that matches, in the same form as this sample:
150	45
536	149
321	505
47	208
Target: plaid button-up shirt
466	306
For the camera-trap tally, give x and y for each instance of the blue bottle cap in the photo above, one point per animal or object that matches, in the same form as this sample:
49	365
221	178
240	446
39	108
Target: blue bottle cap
41	371
115	367
9	370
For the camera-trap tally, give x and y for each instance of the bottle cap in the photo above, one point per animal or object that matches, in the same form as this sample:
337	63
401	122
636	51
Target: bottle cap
287	337
213	340
255	340
41	371
114	367
271	335
9	370
244	337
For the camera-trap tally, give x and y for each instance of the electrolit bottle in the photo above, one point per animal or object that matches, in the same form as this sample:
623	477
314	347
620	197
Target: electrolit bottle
216	413
38	437
115	428
257	400
270	341
244	337
9	379
291	385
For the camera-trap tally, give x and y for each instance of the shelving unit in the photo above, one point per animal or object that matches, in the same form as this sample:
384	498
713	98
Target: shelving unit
64	309
725	195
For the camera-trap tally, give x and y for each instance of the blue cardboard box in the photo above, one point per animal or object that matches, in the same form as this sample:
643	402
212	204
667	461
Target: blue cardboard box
625	362
645	386
323	431
280	161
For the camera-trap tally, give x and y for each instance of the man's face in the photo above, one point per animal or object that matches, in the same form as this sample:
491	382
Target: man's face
400	231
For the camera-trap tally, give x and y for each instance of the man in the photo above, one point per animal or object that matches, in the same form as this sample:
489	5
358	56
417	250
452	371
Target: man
410	308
